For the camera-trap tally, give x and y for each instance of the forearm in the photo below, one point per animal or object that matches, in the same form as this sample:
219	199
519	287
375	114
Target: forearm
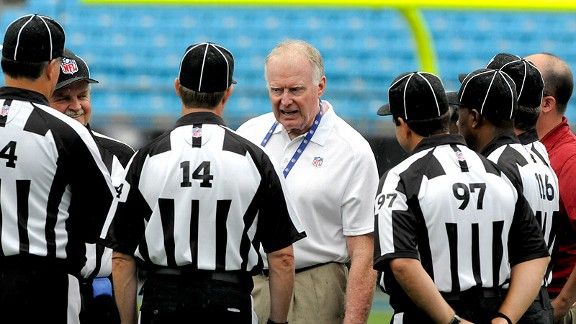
566	297
125	286
421	289
281	267
525	282
359	292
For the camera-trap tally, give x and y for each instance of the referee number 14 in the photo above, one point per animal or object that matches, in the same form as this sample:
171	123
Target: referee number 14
201	173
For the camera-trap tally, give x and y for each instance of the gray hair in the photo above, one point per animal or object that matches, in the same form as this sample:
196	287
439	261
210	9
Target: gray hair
303	48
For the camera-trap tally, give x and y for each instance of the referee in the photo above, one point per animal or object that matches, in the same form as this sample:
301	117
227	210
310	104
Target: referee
50	173
201	200
449	223
72	97
523	158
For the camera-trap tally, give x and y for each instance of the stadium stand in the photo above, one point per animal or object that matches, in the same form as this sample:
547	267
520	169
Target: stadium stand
134	51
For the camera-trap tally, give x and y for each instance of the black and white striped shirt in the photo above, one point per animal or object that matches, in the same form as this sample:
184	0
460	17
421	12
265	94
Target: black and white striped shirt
529	165
458	214
50	171
202	197
115	155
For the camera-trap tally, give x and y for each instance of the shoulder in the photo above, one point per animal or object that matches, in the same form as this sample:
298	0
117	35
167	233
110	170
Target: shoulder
245	144
44	119
351	139
114	146
257	126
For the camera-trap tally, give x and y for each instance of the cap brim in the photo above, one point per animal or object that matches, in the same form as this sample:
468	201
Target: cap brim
384	110
70	81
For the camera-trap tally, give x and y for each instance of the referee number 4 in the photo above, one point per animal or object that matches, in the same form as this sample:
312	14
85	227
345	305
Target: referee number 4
463	192
9	153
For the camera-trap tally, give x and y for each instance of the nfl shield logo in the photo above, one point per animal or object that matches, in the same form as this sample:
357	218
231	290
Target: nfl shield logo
69	66
460	156
4	111
317	162
196	132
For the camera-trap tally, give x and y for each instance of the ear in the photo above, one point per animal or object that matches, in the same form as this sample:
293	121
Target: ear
53	70
227	94
404	129
321	86
548	104
476	118
177	86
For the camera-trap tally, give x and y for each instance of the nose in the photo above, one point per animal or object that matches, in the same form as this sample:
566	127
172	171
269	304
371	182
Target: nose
75	104
286	98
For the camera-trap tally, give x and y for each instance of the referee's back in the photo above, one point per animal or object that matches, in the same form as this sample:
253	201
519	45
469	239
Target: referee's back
200	202
449	222
214	190
50	169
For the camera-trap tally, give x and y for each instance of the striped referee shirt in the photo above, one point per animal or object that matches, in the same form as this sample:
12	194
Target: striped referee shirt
529	166
50	172
202	197
458	214
115	155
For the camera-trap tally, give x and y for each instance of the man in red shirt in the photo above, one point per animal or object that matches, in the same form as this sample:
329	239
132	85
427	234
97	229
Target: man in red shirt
560	142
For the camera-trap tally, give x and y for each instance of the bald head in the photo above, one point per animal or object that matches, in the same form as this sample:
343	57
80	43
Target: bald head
558	79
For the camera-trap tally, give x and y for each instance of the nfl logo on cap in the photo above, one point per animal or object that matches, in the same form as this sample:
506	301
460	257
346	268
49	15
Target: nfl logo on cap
69	66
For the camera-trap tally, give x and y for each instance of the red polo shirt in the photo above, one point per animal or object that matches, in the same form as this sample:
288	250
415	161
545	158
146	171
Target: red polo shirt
560	143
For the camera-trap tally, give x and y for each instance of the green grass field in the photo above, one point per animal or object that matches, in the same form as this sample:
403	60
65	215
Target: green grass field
379	317
381	311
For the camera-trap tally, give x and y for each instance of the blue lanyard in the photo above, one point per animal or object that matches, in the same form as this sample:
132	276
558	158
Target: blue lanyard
302	145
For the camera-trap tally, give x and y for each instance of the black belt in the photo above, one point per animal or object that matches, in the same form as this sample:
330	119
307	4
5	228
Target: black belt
229	276
542	294
266	272
35	264
475	293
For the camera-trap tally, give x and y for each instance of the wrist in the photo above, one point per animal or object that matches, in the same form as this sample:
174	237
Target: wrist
455	319
504	316
272	322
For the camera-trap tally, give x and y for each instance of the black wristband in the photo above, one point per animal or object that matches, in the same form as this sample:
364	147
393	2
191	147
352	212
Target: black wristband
455	320
501	315
272	322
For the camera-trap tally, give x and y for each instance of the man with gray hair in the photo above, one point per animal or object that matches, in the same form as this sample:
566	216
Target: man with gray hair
332	178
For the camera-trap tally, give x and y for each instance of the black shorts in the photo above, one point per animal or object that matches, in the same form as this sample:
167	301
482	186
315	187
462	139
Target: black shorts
540	311
37	296
475	305
169	299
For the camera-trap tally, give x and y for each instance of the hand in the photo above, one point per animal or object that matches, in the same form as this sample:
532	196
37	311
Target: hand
560	309
498	320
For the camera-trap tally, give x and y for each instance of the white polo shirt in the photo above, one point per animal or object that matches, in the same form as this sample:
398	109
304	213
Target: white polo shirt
332	184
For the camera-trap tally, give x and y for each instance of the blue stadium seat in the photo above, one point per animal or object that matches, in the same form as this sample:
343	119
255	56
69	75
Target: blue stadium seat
135	50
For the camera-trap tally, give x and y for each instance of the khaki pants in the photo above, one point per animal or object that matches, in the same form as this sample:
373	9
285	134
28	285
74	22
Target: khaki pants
319	295
570	317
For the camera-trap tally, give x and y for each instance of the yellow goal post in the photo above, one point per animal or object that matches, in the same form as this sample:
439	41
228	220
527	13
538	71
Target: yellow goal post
410	10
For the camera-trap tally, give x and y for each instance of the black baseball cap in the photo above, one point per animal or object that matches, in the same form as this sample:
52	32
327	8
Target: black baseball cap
452	97
33	38
72	69
491	92
529	81
206	67
415	96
